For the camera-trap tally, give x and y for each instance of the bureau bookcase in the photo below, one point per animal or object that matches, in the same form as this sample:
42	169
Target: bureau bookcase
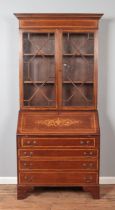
58	136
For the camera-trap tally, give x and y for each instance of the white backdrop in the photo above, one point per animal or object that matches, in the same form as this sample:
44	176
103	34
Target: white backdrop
9	93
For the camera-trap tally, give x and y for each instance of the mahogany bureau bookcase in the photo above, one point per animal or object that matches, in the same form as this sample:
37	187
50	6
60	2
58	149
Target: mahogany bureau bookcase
58	136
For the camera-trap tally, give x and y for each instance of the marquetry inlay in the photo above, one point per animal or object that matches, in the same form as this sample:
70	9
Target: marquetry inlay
58	122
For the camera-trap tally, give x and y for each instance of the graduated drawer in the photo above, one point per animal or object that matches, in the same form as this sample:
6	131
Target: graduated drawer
57	142
56	163
46	178
26	153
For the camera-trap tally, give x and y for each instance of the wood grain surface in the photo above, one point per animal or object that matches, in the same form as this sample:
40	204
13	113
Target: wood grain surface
58	67
69	123
57	199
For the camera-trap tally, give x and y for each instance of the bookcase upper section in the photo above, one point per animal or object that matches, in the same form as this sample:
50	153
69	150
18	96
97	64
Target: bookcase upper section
58	61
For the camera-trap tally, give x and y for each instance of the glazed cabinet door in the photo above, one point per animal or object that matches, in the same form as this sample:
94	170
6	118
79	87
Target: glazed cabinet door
59	70
38	70
78	70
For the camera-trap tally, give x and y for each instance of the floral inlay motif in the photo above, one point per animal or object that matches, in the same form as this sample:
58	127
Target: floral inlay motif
58	122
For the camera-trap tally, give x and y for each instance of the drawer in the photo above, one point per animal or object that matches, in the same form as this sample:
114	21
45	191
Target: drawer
46	178
57	142
26	153
58	164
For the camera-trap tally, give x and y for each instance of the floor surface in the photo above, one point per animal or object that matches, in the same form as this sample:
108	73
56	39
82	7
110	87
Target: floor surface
57	199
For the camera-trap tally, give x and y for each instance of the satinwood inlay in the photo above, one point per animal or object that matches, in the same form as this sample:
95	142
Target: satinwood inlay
57	122
58	135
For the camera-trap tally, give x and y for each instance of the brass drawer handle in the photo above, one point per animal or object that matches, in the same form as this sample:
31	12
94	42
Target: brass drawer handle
28	154
91	153
88	142
25	164
88	179
25	153
85	153
28	142
34	142
84	164
28	179
85	142
88	165
82	142
88	153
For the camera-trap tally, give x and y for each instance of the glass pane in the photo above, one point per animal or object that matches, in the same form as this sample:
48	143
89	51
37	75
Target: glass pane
39	69
78	69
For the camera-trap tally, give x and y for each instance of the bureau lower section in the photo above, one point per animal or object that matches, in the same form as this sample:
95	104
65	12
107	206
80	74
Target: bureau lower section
58	161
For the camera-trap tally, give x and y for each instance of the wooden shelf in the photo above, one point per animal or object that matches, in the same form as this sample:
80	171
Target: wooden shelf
65	54
41	55
78	82
39	82
53	82
78	55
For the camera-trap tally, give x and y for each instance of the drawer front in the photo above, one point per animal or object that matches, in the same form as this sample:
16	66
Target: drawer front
58	142
26	153
58	164
58	178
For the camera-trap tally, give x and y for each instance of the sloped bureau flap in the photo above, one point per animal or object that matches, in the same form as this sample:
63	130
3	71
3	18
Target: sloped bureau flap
55	123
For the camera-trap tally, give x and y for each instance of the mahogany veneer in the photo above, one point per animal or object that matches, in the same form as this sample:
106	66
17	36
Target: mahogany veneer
58	135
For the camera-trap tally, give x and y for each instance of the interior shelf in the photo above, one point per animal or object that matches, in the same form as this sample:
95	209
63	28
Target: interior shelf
53	82
78	82
65	54
78	55
39	82
34	54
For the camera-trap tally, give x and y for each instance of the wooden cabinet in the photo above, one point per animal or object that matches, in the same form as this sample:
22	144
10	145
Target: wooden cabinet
58	128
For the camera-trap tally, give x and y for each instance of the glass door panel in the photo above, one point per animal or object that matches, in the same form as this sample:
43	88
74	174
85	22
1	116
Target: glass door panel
78	69
39	69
